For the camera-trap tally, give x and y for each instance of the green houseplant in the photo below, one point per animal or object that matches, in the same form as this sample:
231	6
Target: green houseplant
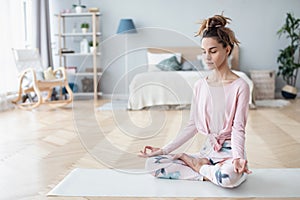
92	46
84	27
288	67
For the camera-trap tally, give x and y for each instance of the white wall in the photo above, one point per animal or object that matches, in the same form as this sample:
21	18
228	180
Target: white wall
173	23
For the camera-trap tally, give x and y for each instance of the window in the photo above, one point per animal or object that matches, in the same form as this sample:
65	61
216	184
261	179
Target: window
27	18
12	36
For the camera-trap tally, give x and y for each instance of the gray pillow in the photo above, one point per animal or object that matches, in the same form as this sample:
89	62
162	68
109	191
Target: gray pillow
169	64
194	65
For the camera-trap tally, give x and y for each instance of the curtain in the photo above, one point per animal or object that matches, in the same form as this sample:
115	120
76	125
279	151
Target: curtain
41	30
11	36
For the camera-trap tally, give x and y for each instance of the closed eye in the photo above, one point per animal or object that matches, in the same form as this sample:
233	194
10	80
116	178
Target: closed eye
211	50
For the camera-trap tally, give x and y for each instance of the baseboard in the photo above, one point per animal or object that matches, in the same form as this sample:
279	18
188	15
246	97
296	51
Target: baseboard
115	96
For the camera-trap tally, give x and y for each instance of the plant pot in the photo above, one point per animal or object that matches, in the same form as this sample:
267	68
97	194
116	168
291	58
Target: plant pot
78	9
289	92
84	30
92	49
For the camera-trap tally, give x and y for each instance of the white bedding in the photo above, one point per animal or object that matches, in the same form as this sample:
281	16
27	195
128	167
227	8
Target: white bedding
167	88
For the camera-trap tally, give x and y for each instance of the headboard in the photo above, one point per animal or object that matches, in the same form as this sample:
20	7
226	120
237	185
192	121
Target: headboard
191	53
188	53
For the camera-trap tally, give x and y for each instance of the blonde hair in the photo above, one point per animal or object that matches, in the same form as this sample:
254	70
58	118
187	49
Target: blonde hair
215	27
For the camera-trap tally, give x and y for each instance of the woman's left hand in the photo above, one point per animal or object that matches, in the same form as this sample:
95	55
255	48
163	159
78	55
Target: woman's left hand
240	166
154	151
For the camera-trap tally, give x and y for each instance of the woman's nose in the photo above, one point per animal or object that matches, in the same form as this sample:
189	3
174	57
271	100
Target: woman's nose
207	56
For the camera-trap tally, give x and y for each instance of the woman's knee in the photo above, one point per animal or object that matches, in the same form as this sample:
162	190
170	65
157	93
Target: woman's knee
228	178
149	163
156	162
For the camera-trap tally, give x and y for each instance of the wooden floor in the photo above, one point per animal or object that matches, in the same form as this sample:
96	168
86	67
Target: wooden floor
39	148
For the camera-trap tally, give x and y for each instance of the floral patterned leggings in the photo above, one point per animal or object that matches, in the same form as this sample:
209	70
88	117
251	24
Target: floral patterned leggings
219	173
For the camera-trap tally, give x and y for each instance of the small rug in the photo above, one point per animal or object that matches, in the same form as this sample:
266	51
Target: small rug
273	103
263	183
114	105
6	101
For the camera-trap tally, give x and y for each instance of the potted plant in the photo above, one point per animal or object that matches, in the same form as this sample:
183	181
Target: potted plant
92	46
78	7
288	67
85	27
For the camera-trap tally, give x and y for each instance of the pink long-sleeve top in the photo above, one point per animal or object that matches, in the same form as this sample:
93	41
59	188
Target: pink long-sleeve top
236	100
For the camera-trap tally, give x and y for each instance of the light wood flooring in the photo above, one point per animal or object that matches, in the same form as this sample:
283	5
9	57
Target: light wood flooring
39	148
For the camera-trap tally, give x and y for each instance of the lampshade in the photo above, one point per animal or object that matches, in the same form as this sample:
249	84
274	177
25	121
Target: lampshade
126	26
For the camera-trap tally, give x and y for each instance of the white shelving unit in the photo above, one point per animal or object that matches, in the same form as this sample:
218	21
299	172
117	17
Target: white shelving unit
95	34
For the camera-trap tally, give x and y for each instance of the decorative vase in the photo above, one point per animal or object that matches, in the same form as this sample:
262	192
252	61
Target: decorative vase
84	46
289	92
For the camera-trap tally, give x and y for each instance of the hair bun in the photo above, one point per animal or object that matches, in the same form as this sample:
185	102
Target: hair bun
217	21
214	27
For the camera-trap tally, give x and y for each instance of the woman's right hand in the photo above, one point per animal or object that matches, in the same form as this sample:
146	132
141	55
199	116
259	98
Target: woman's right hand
154	151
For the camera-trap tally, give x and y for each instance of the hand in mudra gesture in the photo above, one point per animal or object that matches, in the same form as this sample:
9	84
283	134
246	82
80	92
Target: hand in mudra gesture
240	166
154	151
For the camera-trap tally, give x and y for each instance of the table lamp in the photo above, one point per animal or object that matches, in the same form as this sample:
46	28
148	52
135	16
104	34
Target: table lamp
126	26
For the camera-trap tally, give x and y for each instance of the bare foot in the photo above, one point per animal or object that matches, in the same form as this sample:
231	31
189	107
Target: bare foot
194	163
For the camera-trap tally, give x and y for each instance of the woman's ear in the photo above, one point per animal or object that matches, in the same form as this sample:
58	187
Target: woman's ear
228	50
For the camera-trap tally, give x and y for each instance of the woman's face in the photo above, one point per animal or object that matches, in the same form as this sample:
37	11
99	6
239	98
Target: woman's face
214	54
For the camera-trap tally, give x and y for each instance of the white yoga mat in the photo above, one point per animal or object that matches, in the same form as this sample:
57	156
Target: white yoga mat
105	182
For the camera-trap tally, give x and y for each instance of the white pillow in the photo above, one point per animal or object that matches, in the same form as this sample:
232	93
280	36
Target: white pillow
155	58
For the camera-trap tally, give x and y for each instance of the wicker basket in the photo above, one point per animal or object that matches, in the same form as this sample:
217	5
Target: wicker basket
264	84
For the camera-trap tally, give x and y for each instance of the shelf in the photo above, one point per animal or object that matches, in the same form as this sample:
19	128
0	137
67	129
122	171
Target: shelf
65	51
85	14
78	34
86	94
79	54
85	74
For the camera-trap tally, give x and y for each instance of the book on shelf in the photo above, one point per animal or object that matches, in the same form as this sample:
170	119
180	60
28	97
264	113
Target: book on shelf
66	51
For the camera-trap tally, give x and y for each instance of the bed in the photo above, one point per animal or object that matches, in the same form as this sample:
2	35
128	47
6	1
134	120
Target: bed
174	85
